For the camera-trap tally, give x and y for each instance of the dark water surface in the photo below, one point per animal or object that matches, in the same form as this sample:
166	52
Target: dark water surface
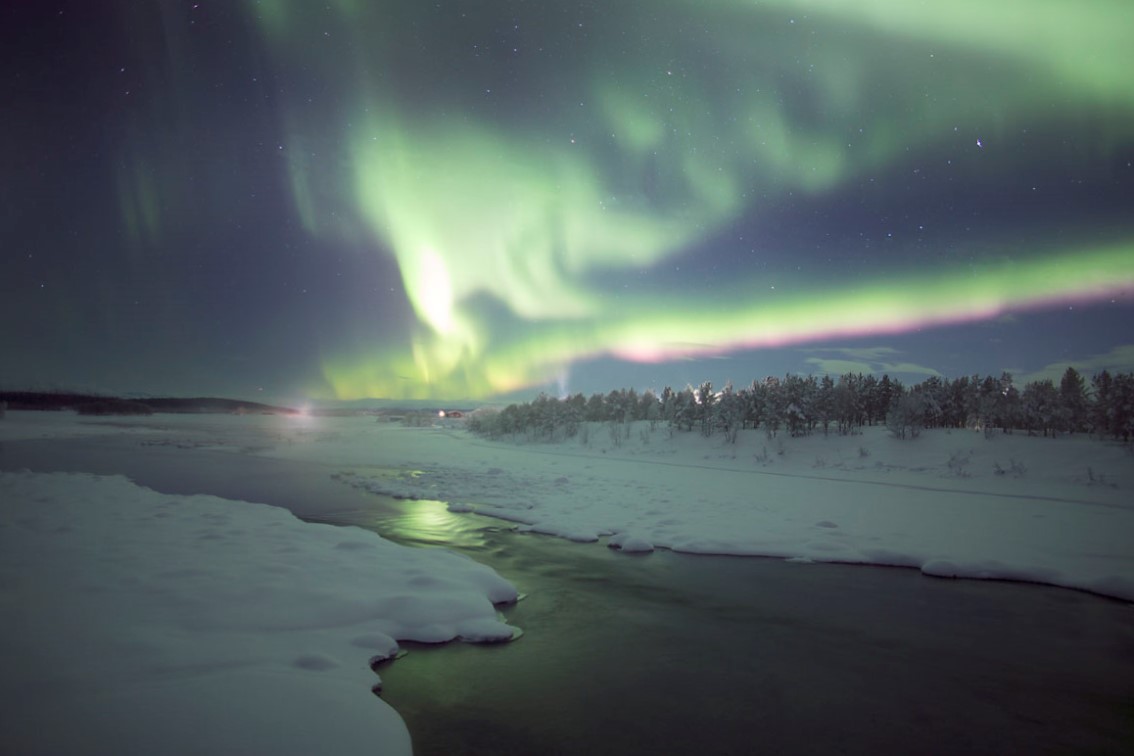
671	653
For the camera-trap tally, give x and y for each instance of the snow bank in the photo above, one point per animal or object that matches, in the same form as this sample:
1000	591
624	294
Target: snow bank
630	543
136	622
952	504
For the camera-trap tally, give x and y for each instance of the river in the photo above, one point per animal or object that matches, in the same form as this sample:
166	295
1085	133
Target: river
673	653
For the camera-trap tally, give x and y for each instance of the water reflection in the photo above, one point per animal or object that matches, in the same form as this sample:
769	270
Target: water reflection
679	654
428	522
672	653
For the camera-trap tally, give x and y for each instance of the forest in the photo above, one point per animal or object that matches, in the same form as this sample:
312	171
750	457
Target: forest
800	405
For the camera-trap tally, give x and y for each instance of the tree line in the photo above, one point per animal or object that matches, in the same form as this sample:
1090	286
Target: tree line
801	405
102	404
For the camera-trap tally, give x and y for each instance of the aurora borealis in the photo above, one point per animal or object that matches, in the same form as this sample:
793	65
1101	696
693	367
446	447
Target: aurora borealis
450	200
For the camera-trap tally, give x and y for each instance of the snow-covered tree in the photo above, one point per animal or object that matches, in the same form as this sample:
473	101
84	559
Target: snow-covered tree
706	407
825	402
954	412
933	395
775	405
668	404
730	412
648	403
1122	404
684	409
596	409
1073	401
1009	407
1102	408
848	403
906	417
1040	405
574	410
755	400
617	408
879	395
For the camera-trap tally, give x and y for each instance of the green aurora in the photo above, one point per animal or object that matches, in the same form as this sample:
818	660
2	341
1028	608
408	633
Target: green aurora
521	163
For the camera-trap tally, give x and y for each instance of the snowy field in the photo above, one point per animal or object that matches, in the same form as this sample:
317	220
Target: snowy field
151	623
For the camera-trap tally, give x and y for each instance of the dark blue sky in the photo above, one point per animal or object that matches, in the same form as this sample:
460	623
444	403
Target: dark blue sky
300	201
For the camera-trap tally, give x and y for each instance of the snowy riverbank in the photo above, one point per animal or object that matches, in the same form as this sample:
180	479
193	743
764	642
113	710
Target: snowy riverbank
137	622
148	622
952	504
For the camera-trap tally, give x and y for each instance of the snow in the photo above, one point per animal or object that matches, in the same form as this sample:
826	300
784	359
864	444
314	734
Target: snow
142	615
630	543
137	622
950	503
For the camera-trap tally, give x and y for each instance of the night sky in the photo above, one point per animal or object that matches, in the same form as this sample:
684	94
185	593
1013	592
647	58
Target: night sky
297	201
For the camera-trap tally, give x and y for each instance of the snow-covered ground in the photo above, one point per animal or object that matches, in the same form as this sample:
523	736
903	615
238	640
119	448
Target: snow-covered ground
136	622
1058	511
950	503
189	608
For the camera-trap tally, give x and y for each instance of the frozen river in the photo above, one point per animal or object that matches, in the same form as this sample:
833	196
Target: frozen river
669	653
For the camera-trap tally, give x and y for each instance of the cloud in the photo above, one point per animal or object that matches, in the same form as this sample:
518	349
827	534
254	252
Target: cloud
865	360
909	368
838	367
1120	359
861	353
